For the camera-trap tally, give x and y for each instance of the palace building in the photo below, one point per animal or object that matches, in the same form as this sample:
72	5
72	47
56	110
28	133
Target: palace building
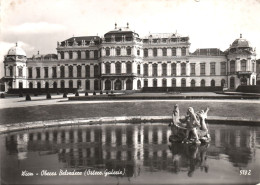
121	60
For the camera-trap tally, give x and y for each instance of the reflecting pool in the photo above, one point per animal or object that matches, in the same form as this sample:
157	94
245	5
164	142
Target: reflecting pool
129	154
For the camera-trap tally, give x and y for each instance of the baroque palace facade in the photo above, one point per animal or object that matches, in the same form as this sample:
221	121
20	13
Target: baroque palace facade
121	60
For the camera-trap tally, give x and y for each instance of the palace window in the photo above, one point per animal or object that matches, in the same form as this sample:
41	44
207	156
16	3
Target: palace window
145	83
202	69
70	54
138	69
164	82
62	55
174	51
38	85
38	72
164	69
223	82
70	84
87	83
202	83
212	83
107	51
96	71
118	68
138	52
155	52
145	52
192	69
243	65
212	68
20	72
79	71
62	72
183	51
183	82
128	51
232	66
174	69
87	54
70	71
183	68
62	84
155	69
78	84
79	54
128	67
118	51
46	72
54	72
87	71
192	83
173	82
154	82
164	51
96	84
29	72
96	54
107	68
11	70
223	68
145	69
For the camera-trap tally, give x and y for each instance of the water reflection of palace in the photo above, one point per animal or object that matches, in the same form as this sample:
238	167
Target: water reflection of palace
133	147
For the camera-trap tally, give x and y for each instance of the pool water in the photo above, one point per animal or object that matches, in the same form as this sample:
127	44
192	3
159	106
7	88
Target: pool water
129	154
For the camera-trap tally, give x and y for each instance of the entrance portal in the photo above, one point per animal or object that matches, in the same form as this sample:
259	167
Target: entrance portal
243	81
129	84
108	85
118	85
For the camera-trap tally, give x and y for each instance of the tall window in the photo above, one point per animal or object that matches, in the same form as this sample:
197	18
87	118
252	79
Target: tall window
212	83
145	69
138	53
79	54
128	51
164	69
202	69
155	67
70	84
54	72
11	70
192	83
96	84
129	67
79	71
174	52
46	72
192	69
70	54
202	83
96	54
183	51
174	69
107	51
70	71
78	84
62	84
62	55
164	51
118	68
253	67
183	82
243	65
138	69
173	82
107	68
87	83
87	54
164	82
223	68
232	66
154	82
87	70
183	68
145	52
154	52
118	51
96	70
20	71
223	82
212	68
62	72
145	83
38	72
30	72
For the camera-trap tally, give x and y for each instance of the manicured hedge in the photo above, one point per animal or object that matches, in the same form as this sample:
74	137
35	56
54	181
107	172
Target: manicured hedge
182	89
248	88
41	91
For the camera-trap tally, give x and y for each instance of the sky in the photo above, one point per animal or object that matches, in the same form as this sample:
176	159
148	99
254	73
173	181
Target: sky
37	25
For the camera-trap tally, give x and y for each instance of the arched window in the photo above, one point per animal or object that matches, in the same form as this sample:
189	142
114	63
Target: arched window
62	55
173	82
164	69
62	72
107	52
87	71
138	52
138	84
70	84
70	71
79	54
46	85
79	71
118	68
30	85
138	69
232	66
38	85
164	51
164	82
154	82
129	84
145	83
155	70
202	83
183	51
118	51
232	82
183	82
223	82
107	85
128	50
155	52
183	68
145	69
118	84
87	54
174	69
128	67
96	71
79	84
145	52
62	84
174	52
243	65
96	84
107	68
212	83
11	70
70	54
55	85
87	84
192	83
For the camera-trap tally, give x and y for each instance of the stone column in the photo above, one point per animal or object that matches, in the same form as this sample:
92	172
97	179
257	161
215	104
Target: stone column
123	67
150	70
237	67
113	68
178	68
66	70
188	68
50	72
83	55
91	70
134	67
102	68
74	71
248	65
83	71
169	69
169	52
218	68
159	70
207	68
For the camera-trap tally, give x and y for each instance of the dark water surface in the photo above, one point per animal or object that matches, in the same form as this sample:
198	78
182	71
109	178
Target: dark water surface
140	152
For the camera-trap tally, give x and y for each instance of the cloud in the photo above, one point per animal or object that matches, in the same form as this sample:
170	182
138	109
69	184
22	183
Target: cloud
36	28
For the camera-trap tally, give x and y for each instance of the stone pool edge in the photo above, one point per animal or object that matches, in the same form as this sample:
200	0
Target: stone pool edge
113	120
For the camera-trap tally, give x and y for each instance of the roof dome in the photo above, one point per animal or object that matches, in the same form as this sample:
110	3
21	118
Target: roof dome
241	43
16	51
